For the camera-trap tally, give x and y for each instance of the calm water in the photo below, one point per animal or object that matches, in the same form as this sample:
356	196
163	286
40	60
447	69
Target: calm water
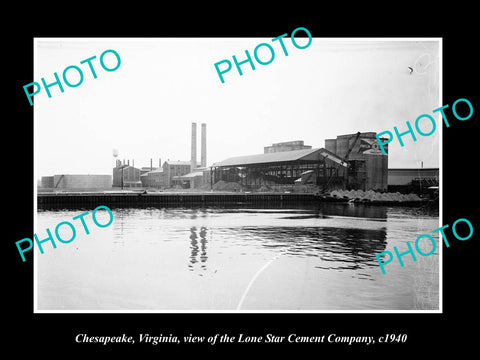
319	258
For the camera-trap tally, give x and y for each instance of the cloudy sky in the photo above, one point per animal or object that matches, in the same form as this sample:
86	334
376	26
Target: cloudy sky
145	108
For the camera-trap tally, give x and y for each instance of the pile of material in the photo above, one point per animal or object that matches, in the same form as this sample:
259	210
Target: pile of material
264	188
227	186
371	195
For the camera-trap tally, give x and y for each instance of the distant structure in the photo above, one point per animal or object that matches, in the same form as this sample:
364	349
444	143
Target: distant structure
352	161
76	182
47	182
174	170
193	152
286	146
280	170
195	176
153	177
204	146
162	177
172	174
125	175
418	180
367	166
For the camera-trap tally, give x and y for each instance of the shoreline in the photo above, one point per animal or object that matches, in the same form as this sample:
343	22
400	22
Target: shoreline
141	198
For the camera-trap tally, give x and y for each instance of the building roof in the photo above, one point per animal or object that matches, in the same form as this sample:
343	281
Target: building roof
154	171
413	169
189	175
179	162
282	156
404	176
366	134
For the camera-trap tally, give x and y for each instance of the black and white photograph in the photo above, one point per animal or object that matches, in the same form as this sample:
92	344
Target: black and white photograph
240	174
217	182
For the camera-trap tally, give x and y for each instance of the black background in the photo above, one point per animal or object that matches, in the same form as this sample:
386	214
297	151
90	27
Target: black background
428	334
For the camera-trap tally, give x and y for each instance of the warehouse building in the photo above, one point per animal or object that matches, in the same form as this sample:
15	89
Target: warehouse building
274	169
351	161
417	180
47	182
76	182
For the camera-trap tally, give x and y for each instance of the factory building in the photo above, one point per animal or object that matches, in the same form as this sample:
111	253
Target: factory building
154	179
367	166
277	169
197	179
350	161
147	176
125	175
161	177
174	170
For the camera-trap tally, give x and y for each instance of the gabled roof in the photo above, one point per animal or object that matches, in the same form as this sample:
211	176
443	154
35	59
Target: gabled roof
277	157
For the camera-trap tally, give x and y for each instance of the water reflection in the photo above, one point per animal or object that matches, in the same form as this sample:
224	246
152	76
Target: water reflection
340	248
195	249
350	246
357	210
315	257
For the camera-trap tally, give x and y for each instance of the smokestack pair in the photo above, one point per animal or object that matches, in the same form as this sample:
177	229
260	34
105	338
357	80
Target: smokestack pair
159	163
193	159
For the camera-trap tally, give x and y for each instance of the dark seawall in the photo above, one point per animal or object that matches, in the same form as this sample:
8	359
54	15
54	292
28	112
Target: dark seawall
48	201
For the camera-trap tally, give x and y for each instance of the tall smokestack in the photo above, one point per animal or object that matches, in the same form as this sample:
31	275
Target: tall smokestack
193	159
151	164
204	145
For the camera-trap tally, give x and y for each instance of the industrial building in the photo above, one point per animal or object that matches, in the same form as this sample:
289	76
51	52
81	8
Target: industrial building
162	177
76	182
46	182
349	161
310	166
174	170
286	146
367	165
197	179
125	175
128	176
418	180
172	174
154	179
